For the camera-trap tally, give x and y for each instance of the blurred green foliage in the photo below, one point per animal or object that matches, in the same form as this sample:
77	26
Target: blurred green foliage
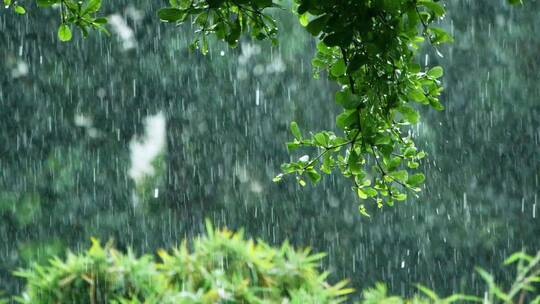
223	267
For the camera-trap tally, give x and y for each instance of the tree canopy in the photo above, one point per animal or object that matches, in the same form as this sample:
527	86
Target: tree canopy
222	267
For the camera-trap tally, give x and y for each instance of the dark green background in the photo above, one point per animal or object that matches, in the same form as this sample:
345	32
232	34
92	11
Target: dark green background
59	186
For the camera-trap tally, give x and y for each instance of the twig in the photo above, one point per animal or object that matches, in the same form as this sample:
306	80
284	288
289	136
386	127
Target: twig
346	60
329	148
407	187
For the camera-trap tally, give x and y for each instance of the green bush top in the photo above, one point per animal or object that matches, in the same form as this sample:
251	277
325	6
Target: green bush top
222	267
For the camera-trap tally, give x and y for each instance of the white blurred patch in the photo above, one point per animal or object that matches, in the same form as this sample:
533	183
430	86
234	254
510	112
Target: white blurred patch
241	74
145	150
124	32
255	187
20	70
82	120
135	14
304	158
248	50
276	66
500	20
243	176
86	122
258	70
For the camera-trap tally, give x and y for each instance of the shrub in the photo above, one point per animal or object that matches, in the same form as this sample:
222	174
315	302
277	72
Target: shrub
222	267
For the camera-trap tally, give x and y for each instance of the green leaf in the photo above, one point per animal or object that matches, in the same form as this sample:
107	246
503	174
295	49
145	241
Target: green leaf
7	3
416	179
370	191
354	164
383	139
435	72
400	175
321	139
400	196
20	10
46	3
204	45
485	275
287	168
316	26
435	7
409	114
277	178
393	163
100	20
296	130
292	146
347	99
462	298
304	19
356	63
338	68
493	288
314	176
363	211
327	164
417	94
428	292
234	33
361	194
409	152
101	28
92	7
412	165
347	119
170	14
64	33
516	257
436	104
439	35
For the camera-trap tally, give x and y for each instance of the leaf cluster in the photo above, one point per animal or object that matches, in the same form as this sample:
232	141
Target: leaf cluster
226	19
81	14
527	280
369	48
526	283
16	6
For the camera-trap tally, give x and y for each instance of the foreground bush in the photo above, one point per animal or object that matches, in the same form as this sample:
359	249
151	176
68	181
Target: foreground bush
223	267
